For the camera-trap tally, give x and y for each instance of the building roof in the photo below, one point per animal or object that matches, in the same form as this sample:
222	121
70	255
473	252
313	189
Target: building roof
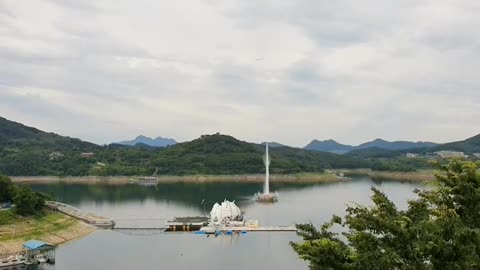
35	244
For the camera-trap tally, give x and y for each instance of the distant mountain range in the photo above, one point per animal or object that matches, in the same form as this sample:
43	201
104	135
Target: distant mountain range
338	148
328	146
28	151
144	140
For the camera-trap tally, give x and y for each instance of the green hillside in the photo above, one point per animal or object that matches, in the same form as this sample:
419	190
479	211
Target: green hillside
218	154
29	151
16	135
25	151
469	146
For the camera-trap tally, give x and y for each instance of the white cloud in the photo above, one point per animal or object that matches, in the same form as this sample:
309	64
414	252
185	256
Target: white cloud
288	71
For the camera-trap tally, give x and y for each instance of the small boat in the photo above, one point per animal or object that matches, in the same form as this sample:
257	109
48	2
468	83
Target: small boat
50	260
40	258
13	260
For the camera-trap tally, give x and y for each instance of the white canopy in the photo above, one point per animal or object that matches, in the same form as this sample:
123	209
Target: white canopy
227	211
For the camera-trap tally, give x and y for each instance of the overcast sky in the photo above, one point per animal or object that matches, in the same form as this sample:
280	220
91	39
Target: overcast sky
286	71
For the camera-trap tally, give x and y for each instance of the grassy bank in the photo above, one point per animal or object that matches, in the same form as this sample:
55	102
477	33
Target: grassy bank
52	227
121	180
415	176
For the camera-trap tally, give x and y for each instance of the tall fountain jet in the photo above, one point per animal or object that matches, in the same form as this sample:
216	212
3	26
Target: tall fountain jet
266	196
266	187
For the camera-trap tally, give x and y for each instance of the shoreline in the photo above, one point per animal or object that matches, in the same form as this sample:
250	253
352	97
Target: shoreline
46	231
328	177
415	176
124	180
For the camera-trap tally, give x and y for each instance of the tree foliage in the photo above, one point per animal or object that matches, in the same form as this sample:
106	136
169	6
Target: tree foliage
210	154
439	230
7	189
28	202
400	164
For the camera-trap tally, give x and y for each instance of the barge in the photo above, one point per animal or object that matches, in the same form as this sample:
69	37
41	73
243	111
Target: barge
186	224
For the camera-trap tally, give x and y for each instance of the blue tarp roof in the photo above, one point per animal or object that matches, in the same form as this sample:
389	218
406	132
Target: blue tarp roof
35	244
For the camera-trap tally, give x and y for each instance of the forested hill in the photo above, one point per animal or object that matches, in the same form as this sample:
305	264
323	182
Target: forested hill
469	146
219	154
15	137
29	151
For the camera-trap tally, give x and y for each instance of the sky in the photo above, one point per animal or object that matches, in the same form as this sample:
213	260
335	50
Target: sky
264	70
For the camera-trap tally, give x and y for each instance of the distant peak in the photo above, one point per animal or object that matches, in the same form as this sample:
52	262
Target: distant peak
273	144
158	142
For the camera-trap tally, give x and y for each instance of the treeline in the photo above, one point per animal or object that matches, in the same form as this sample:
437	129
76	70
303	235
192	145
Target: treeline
400	164
210	154
26	151
438	230
25	200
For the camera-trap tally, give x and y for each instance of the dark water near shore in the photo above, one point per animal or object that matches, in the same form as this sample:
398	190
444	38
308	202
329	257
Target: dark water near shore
138	206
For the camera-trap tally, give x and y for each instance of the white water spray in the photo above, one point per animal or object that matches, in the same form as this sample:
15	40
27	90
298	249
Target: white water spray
266	187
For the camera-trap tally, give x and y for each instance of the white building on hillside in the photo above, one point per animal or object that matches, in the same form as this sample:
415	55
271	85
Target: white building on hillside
55	155
451	154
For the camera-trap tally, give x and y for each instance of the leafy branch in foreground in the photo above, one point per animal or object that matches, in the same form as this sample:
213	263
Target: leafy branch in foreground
439	230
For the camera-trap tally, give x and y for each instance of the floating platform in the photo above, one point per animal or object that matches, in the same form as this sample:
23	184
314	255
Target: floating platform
162	229
224	229
267	197
184	227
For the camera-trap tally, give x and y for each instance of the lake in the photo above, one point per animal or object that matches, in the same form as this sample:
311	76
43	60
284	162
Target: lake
149	206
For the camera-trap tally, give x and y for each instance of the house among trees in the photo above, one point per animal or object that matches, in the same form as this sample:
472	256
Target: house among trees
87	155
56	155
410	155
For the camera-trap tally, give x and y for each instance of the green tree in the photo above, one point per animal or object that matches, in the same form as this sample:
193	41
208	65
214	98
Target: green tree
27	202
439	230
7	189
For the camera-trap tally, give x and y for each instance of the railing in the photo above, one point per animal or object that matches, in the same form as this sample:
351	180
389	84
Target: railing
80	214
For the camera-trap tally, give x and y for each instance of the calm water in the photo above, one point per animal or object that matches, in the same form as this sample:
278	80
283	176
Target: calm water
133	205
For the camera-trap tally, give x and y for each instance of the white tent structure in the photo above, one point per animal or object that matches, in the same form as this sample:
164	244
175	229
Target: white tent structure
225	213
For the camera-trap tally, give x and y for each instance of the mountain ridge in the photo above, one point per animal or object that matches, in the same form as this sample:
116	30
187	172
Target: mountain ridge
27	151
153	142
335	147
330	145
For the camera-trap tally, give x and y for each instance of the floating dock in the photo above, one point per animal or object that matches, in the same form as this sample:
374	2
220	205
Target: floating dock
223	229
